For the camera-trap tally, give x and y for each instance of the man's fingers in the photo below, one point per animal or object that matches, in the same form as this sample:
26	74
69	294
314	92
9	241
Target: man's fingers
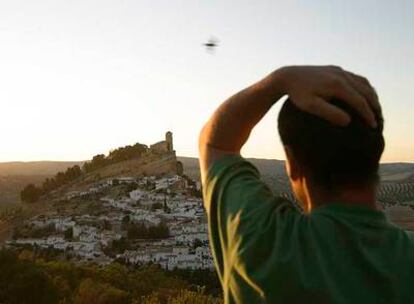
348	94
364	87
321	108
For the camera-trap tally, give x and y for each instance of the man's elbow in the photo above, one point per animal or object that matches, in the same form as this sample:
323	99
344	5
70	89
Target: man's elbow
202	140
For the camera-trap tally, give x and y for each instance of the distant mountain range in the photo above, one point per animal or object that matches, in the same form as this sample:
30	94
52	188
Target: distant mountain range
36	167
14	176
397	178
274	173
272	170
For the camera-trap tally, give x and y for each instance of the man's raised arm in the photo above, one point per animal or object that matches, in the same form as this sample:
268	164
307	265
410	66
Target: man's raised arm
309	87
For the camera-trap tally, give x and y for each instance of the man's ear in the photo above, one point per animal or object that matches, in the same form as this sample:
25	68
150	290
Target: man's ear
293	168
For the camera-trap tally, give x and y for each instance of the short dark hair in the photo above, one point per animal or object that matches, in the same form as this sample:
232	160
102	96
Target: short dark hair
333	156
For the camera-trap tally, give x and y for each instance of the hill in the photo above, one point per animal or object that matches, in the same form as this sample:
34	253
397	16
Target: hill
36	167
273	171
47	176
269	168
11	185
397	172
14	176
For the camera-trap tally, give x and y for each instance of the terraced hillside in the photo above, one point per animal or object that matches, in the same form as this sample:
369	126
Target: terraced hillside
400	193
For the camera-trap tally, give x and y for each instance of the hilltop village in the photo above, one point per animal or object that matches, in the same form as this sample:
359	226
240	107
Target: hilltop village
136	219
137	206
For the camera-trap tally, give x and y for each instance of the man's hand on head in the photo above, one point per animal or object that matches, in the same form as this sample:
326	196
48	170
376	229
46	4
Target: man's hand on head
311	87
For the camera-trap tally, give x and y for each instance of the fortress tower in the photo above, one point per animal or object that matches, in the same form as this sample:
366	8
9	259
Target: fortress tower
169	140
165	146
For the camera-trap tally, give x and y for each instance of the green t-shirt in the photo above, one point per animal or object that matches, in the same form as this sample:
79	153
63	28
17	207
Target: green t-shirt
266	251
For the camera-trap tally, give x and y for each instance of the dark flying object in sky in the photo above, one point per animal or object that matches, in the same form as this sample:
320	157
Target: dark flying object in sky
211	44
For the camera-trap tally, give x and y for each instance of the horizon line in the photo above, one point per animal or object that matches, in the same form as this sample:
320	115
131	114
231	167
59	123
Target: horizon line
82	161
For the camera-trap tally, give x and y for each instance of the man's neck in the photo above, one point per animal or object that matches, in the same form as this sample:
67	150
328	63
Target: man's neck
365	196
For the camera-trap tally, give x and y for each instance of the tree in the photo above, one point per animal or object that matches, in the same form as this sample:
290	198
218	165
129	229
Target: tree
30	194
125	222
183	296
23	282
197	243
48	185
73	172
117	246
140	231
137	231
160	231
156	206
127	152
37	277
68	234
193	297
98	161
106	225
91	291
60	178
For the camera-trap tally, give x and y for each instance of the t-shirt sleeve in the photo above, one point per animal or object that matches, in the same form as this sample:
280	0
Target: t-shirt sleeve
244	218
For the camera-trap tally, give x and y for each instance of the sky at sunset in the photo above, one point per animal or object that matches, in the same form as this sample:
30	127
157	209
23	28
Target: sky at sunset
78	78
